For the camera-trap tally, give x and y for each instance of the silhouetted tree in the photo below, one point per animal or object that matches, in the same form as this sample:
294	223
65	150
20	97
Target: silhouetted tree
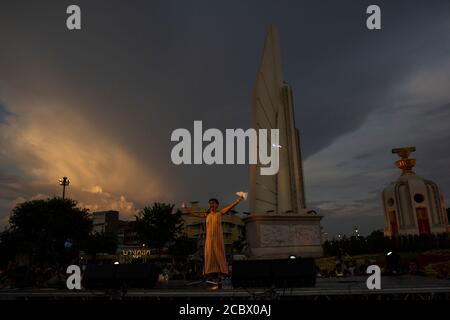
101	242
376	242
183	246
10	244
158	226
41	228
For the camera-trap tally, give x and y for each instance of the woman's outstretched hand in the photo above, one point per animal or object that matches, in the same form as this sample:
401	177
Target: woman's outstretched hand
242	195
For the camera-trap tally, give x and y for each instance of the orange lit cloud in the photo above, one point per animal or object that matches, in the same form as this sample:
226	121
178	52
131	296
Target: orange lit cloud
50	139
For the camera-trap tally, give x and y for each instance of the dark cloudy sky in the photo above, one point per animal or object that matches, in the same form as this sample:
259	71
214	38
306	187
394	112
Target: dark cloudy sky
99	105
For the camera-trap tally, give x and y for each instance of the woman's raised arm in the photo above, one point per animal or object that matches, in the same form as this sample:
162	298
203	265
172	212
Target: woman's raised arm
227	209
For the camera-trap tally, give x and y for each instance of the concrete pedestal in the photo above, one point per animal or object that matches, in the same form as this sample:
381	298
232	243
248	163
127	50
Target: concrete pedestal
277	236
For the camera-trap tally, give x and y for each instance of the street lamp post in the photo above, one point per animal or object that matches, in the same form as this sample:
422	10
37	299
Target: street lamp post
64	182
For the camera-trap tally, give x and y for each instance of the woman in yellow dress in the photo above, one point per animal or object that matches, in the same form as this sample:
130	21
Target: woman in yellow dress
215	261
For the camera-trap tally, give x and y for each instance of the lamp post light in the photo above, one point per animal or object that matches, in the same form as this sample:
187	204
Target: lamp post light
356	232
64	182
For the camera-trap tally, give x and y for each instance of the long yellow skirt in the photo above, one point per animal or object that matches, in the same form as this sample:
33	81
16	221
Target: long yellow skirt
215	259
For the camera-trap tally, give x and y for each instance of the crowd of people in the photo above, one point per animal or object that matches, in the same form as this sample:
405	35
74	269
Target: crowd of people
54	275
188	271
350	268
38	276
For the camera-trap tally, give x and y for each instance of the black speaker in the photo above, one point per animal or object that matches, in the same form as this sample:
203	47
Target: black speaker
99	277
137	276
279	273
120	276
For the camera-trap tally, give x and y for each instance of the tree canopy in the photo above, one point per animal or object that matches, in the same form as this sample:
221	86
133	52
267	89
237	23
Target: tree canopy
44	228
159	225
101	242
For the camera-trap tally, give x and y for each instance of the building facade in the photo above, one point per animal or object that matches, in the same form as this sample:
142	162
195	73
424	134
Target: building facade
105	221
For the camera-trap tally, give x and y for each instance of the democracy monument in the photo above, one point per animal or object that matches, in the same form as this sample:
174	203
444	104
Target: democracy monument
279	225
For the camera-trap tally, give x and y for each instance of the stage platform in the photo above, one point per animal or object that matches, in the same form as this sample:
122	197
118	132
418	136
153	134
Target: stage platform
392	288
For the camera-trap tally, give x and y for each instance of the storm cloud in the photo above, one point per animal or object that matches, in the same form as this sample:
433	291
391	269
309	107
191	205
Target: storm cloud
98	105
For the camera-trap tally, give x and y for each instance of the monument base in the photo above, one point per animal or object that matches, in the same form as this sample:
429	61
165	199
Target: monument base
279	236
